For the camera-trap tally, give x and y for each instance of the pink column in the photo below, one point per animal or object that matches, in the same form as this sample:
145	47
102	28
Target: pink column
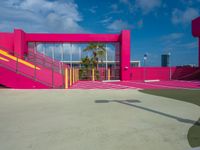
19	43
199	52
125	55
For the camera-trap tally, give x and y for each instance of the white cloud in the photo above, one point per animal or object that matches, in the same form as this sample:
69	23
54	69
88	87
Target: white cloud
93	9
184	17
172	36
119	25
41	15
106	20
148	5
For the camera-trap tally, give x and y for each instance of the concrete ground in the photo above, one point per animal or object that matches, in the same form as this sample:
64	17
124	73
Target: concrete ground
93	120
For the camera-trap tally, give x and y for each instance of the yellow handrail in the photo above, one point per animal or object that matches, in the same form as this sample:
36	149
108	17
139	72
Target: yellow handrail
19	60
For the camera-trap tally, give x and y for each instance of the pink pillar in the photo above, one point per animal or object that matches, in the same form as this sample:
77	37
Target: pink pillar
19	43
199	52
125	55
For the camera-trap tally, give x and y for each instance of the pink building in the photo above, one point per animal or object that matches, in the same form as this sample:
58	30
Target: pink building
20	44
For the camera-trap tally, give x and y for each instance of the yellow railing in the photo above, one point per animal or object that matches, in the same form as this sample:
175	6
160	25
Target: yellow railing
72	76
18	59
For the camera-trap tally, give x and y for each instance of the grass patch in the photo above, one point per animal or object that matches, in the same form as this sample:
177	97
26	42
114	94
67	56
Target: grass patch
190	96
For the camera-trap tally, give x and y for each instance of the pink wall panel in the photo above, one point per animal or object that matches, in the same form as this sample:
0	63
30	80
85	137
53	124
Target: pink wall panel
196	27
13	80
163	73
32	37
125	55
6	41
151	73
196	31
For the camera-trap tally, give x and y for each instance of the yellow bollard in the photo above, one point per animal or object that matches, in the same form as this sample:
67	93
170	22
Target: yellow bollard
92	74
73	76
108	73
77	74
66	78
70	76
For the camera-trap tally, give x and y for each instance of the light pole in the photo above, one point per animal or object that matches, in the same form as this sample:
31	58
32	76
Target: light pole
145	58
170	71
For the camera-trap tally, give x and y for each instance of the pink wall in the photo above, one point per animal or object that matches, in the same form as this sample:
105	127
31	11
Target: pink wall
151	73
196	31
195	27
163	73
39	37
6	41
125	55
11	79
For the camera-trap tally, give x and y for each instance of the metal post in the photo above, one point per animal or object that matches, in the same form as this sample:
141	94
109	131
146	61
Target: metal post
108	73
52	51
70	77
17	63
62	52
93	74
145	58
34	65
106	62
71	49
52	74
170	73
66	78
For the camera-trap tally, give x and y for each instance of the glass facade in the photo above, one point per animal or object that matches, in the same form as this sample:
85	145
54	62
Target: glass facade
73	53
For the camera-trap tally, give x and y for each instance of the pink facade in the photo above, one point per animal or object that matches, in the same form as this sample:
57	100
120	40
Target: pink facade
17	43
196	31
165	73
152	73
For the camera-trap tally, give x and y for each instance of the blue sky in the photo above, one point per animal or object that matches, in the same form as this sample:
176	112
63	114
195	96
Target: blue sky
157	26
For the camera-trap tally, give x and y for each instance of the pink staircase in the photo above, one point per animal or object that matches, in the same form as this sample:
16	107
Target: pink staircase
20	73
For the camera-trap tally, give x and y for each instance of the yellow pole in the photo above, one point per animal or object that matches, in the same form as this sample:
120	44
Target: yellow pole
70	74
92	74
73	76
77	74
108	73
66	78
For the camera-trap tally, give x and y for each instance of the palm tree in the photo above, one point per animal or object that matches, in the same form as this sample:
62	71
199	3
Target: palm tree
98	50
84	72
86	61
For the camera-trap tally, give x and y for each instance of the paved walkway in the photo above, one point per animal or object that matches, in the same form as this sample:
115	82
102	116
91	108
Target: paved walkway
93	120
174	84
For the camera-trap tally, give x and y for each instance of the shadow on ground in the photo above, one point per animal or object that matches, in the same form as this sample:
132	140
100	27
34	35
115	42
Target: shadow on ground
190	96
130	103
193	133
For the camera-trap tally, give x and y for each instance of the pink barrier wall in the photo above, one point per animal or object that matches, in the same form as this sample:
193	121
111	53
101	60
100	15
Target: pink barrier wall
163	73
6	41
11	79
151	73
196	31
